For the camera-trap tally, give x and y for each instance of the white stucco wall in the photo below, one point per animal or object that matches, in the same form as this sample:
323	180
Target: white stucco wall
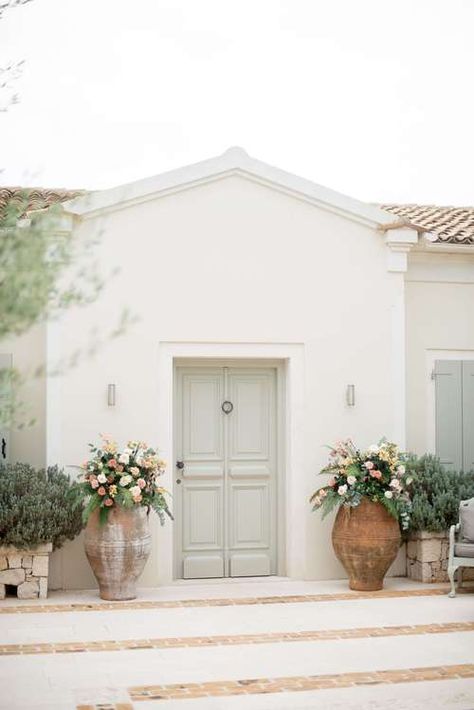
440	325
237	262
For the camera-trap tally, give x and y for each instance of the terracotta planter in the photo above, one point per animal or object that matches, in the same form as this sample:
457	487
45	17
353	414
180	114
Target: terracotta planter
118	550
366	540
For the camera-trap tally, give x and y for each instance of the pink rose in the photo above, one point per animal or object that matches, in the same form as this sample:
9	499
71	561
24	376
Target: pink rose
332	482
94	482
376	474
141	482
108	502
112	463
369	465
101	491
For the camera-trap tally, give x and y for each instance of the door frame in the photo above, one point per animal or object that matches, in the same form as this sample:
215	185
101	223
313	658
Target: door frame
293	491
242	364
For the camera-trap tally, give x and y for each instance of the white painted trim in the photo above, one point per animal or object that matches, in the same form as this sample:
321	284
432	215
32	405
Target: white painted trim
398	358
431	356
234	161
291	355
399	242
445	248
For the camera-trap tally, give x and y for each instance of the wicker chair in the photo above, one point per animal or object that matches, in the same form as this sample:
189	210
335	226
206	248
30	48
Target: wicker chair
461	543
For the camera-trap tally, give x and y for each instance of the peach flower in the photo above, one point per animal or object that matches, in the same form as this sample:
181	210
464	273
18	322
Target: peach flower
101	491
376	474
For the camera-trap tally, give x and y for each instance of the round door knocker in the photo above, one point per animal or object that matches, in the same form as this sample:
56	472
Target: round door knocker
227	407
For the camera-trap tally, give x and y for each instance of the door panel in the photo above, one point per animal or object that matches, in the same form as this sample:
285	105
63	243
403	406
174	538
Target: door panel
250	515
227	498
202	424
201	434
250	431
250	565
251	510
202	525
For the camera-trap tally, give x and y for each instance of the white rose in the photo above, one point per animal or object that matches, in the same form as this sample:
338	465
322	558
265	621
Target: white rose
351	480
124	458
125	480
342	490
395	483
374	449
401	469
388	494
102	478
135	491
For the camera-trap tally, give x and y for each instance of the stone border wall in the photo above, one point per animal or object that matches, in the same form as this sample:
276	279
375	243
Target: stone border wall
27	570
427	557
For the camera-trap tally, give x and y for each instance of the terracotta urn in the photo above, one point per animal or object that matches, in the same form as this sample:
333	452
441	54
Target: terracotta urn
117	550
366	540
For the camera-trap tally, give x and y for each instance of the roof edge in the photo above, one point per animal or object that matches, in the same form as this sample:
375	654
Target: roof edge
232	161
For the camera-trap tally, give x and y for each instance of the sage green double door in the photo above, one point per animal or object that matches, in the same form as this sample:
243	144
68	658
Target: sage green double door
225	484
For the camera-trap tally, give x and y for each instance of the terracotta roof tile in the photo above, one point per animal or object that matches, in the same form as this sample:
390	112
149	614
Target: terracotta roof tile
450	225
34	198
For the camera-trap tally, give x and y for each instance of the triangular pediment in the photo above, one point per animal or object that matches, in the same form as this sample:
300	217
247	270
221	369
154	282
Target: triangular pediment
234	161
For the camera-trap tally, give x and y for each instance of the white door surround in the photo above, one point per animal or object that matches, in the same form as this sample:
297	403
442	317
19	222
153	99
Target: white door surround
288	360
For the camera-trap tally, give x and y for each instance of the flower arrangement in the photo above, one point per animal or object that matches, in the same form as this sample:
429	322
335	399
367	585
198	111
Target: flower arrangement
378	474
122	478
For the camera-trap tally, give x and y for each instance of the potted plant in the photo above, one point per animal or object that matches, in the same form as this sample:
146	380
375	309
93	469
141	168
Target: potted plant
119	490
370	489
436	494
36	516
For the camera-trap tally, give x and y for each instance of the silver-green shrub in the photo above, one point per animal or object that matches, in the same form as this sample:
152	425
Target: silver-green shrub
36	506
436	493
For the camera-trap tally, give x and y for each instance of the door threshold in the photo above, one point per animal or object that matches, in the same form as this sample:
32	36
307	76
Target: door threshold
230	580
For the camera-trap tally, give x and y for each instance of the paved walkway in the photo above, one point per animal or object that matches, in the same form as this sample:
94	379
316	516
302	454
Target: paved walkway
251	645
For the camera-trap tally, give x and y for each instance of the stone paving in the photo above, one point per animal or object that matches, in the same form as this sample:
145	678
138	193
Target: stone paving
267	644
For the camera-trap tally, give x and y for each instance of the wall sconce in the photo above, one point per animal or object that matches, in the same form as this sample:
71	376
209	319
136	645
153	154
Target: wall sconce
350	396
111	395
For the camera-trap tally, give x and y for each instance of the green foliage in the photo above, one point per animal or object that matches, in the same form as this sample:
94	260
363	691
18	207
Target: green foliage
33	256
436	493
36	507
